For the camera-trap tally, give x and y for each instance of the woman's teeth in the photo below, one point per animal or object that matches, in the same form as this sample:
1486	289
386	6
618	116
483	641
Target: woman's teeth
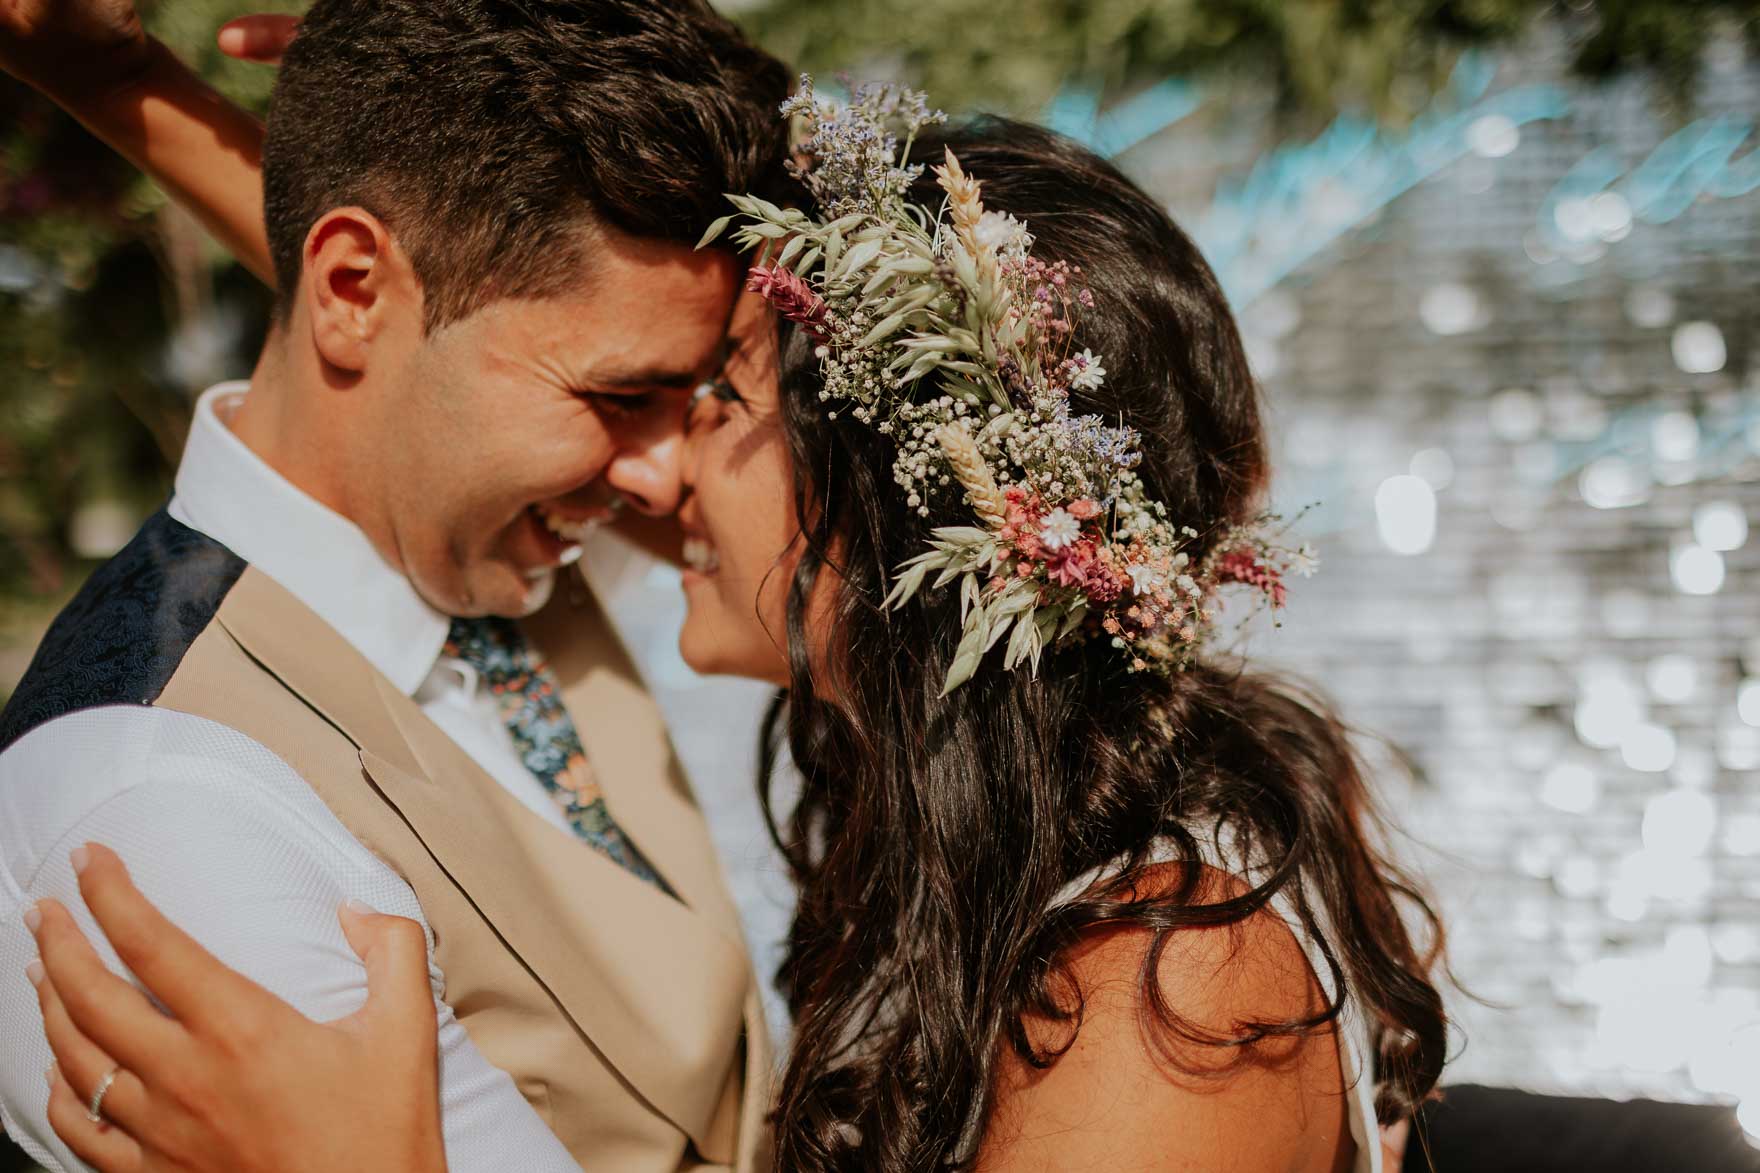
573	531
700	556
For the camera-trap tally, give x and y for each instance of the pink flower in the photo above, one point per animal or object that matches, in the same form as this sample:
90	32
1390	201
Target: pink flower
793	298
1242	565
1084	509
1071	568
1104	584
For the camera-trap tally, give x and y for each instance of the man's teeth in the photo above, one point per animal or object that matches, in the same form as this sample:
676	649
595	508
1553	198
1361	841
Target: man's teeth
700	556
573	531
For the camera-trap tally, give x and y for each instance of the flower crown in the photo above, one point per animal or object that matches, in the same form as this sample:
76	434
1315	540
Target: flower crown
943	331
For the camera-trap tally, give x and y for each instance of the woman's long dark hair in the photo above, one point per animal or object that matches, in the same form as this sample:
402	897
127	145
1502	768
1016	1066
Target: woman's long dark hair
933	835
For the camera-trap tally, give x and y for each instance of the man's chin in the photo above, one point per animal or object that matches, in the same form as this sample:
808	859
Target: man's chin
505	592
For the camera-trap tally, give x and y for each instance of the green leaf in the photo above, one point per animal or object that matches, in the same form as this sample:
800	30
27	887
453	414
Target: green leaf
965	340
881	276
1023	643
885	329
805	264
967	654
999	625
997	428
962	535
791	249
1046	620
924	364
715	230
861	255
906	586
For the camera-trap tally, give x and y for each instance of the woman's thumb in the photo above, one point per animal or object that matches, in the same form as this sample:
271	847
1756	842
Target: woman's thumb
395	951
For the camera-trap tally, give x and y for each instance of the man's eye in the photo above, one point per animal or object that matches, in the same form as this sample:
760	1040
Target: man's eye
623	405
725	391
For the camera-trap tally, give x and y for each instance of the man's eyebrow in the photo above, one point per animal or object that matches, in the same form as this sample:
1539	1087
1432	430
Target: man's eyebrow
668	377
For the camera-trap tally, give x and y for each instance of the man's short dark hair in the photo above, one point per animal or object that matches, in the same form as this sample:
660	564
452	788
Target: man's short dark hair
488	133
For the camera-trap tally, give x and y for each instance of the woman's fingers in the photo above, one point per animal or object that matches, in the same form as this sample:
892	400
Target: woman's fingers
399	997
103	1146
258	38
105	1008
83	1064
182	975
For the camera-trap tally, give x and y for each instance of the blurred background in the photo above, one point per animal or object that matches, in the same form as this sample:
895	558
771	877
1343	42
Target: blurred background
1498	264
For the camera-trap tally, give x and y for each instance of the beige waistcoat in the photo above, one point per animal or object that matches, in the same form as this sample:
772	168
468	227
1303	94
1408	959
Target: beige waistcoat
629	1020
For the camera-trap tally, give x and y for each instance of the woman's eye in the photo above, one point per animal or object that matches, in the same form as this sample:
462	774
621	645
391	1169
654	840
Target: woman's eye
709	405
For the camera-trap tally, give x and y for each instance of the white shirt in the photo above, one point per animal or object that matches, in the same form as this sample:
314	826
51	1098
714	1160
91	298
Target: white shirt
225	837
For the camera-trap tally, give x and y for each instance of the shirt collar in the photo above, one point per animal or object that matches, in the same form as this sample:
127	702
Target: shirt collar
226	491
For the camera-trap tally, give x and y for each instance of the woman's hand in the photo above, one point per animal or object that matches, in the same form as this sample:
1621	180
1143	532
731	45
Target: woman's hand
73	49
262	39
233	1078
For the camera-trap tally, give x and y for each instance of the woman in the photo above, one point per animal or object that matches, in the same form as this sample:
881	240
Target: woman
1075	891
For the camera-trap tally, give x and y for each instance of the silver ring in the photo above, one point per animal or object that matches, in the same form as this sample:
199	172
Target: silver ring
95	1113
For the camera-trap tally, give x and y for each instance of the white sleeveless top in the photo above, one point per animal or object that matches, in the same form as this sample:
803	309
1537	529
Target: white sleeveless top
1352	1026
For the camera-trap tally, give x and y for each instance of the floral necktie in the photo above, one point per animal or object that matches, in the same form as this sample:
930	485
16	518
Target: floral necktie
543	733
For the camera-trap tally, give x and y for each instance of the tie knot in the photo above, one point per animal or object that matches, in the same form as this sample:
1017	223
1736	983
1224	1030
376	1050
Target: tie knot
489	644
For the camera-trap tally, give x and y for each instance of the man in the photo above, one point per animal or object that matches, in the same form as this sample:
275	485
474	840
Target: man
292	688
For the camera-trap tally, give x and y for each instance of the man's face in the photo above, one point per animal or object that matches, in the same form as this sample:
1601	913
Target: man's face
511	429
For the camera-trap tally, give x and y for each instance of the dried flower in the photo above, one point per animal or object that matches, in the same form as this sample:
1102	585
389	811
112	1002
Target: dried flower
945	334
1059	529
1145	579
792	297
1089	373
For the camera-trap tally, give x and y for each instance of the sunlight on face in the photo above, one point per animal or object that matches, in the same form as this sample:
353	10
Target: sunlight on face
520	423
742	533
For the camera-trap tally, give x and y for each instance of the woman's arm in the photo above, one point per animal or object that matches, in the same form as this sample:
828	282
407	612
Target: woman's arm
92	58
233	1077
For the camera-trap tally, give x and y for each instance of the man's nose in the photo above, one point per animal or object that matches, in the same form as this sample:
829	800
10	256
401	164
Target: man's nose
648	474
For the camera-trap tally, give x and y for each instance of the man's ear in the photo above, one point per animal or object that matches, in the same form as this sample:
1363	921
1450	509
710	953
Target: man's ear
359	285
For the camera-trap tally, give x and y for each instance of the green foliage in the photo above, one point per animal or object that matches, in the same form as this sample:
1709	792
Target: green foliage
1316	56
97	276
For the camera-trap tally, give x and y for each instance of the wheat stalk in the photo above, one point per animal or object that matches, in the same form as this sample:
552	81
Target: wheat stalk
973	473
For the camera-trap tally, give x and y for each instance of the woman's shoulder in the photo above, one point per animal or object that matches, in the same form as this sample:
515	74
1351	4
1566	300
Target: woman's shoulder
1130	1079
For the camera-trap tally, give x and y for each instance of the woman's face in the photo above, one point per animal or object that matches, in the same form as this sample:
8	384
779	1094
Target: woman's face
742	535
